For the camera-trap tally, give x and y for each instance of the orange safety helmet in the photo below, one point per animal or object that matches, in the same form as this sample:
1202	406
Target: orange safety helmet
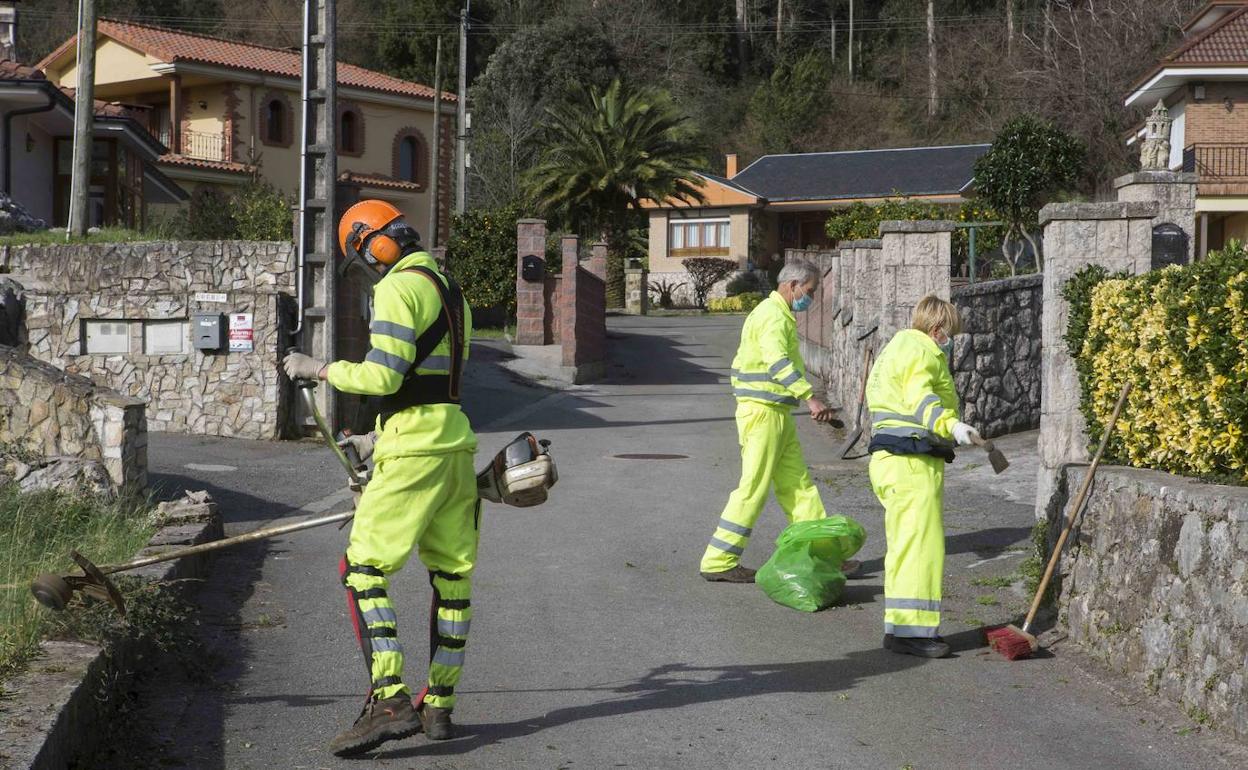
375	231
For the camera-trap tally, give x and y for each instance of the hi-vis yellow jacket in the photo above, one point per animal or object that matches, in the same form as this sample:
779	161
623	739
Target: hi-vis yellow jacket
910	391
768	368
405	304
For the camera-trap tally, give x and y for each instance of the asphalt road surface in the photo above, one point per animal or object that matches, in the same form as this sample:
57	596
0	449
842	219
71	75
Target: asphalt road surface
595	644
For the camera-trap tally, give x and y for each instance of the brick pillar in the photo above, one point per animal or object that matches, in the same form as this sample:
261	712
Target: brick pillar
1117	236
636	296
1175	194
569	251
915	260
597	262
530	295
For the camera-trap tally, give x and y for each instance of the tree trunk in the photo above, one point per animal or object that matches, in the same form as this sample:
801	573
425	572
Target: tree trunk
617	246
1035	250
1009	27
779	23
932	101
743	43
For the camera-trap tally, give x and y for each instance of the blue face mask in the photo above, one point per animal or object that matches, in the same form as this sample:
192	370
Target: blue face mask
947	349
802	303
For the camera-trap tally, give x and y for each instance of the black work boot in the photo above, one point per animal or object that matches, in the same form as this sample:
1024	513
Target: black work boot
436	721
916	645
381	721
737	574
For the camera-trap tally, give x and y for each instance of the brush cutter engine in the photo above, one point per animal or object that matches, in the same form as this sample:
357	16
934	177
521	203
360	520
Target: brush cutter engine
520	474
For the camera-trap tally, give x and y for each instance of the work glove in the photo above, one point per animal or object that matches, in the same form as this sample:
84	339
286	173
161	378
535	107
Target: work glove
302	367
363	445
964	434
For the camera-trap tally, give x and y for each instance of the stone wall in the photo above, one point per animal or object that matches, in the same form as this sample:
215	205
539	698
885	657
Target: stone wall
1156	587
221	393
54	414
996	360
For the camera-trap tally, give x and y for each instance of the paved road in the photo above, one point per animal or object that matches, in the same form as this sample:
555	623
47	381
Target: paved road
595	644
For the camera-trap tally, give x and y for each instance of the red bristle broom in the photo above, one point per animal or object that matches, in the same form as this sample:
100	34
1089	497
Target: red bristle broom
1014	642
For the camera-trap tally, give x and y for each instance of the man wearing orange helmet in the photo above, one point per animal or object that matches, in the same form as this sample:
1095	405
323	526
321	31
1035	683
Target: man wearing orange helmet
423	491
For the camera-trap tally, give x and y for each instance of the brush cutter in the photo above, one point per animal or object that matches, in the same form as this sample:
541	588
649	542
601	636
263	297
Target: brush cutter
1014	642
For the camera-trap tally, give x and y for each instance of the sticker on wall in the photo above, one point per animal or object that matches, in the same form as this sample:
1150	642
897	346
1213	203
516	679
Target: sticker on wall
211	296
241	333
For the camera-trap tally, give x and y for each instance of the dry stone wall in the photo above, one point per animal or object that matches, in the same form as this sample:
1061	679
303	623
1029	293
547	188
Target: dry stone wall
51	413
996	360
1156	588
220	393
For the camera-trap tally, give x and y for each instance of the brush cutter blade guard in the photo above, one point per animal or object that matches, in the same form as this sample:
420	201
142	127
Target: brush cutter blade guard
55	591
52	591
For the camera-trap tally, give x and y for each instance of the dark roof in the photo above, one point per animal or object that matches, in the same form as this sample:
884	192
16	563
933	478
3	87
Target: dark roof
861	173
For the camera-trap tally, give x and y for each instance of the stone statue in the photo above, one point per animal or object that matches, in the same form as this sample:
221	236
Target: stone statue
1155	152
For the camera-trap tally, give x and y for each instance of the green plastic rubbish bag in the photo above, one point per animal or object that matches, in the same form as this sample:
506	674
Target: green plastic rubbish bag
805	571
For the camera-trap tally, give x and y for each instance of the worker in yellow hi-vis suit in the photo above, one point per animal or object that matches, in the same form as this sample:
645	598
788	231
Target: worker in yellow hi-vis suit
423	492
914	416
768	381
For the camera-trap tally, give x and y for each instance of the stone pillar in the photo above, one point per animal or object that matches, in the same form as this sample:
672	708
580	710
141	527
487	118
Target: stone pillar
1117	236
915	260
597	262
1175	194
439	255
864	316
636	296
530	295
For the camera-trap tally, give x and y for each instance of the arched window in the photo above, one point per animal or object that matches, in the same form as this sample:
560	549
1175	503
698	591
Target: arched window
346	130
276	125
409	169
350	129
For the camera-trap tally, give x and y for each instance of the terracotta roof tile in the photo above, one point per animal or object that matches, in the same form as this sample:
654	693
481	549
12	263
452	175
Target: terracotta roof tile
12	70
1222	43
172	46
208	165
378	180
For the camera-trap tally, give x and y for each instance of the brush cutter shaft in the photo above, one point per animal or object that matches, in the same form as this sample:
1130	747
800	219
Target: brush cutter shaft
1077	509
259	534
309	399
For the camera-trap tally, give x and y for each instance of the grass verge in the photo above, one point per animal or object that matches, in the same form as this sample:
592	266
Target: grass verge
39	530
493	333
57	236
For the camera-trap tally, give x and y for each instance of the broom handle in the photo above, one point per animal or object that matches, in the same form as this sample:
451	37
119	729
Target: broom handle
1077	509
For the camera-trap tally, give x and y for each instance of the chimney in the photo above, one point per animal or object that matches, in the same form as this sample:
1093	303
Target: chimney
730	162
8	29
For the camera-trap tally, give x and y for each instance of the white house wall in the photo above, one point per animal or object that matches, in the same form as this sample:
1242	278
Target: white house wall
32	170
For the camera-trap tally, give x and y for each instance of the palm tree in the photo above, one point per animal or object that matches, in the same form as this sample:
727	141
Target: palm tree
607	151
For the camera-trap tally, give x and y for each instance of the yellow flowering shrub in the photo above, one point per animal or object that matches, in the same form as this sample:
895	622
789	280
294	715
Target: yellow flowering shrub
741	303
1181	336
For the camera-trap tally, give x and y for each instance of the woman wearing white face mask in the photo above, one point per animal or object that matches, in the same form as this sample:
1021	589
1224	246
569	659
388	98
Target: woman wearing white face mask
914	424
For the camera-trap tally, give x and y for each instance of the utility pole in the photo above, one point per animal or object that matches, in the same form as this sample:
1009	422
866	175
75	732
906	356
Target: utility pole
742	41
779	23
932	100
314	330
851	41
832	38
461	116
435	167
84	116
1009	27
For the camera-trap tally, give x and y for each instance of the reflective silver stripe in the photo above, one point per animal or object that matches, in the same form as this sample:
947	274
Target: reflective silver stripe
916	418
764	396
792	378
453	627
751	376
937	411
926	632
735	528
380	615
882	416
732	549
445	657
435	362
904	432
386	644
397	331
388	360
778	366
926	605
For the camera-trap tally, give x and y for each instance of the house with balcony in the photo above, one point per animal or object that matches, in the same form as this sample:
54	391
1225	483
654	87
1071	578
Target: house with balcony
1203	82
230	111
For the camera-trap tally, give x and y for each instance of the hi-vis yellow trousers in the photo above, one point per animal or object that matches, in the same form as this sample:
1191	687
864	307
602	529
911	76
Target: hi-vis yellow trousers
770	455
428	503
911	488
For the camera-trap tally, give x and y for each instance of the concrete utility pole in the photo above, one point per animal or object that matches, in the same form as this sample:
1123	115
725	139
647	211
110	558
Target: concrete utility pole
436	166
317	238
84	116
851	41
933	102
461	116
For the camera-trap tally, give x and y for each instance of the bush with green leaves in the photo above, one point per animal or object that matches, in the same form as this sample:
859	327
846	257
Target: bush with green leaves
666	289
257	211
740	303
481	256
704	273
745	282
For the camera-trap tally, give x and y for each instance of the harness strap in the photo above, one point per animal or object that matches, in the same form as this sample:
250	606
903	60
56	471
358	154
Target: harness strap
420	389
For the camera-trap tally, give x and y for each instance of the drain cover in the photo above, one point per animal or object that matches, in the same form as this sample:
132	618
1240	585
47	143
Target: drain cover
650	457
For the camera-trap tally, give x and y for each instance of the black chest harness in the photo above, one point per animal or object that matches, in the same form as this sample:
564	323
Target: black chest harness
421	389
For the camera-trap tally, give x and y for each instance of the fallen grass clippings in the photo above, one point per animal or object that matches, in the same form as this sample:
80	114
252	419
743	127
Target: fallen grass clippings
40	529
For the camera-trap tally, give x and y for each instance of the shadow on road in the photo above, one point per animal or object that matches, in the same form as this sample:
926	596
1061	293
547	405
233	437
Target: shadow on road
984	543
